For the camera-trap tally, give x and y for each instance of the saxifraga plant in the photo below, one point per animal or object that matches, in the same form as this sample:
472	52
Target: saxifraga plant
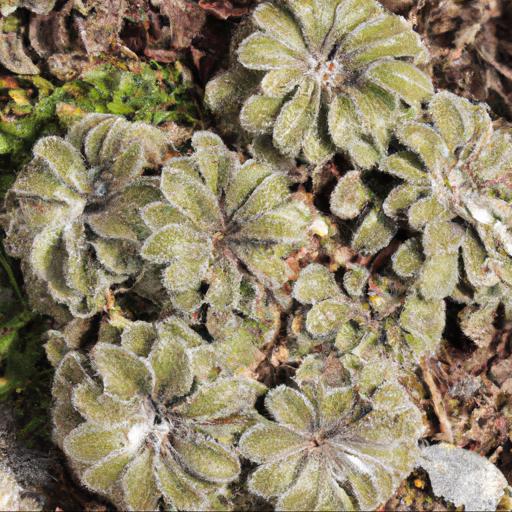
153	415
144	423
335	74
462	199
330	448
403	329
73	211
228	225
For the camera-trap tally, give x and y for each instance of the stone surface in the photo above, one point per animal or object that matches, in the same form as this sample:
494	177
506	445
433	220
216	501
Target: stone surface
463	477
24	474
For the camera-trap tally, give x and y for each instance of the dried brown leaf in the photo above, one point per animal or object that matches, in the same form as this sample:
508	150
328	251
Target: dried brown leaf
471	47
48	34
223	9
186	20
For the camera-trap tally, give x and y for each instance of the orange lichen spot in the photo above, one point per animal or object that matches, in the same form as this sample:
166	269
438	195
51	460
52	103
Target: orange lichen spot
419	483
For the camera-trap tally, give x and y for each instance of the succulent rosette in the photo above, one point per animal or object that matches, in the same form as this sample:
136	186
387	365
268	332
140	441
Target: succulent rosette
138	423
457	190
329	448
223	224
74	209
363	322
241	325
335	74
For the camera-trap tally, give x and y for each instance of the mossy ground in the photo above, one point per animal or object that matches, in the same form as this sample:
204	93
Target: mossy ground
32	106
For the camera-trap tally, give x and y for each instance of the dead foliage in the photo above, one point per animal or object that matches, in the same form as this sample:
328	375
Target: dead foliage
63	41
470	394
471	46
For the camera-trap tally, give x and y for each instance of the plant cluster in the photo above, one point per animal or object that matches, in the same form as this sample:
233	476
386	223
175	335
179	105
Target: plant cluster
147	417
287	311
218	217
332	445
334	76
402	328
74	212
145	423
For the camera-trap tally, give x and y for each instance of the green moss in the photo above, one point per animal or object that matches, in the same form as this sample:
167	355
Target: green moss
143	92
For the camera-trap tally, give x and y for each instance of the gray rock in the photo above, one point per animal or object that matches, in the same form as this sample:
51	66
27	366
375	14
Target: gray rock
24	474
463	477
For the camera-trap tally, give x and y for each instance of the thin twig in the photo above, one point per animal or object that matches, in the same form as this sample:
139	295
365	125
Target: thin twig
437	400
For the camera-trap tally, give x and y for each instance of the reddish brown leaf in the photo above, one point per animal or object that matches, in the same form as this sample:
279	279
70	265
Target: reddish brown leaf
160	55
223	9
